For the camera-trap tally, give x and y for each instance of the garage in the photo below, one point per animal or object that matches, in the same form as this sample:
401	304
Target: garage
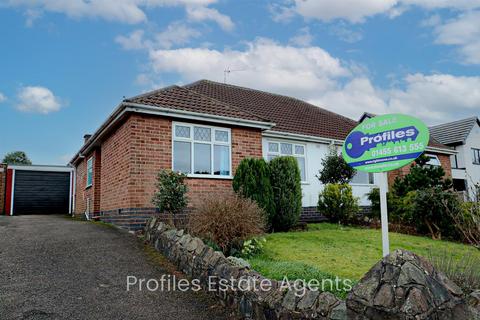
38	190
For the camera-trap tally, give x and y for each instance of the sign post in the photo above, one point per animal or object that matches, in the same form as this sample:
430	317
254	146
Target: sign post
382	144
383	184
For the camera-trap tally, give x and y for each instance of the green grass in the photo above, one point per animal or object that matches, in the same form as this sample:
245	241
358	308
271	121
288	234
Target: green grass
327	250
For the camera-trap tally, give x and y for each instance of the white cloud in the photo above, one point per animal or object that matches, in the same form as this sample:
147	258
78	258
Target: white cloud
303	38
354	98
2	97
201	13
132	41
127	11
464	32
312	74
37	100
357	11
344	33
438	97
263	64
176	33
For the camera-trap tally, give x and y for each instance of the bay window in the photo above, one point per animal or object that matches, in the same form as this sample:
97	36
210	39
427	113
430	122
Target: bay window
202	151
276	149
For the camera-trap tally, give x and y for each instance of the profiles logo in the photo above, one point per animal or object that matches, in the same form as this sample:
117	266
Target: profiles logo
358	143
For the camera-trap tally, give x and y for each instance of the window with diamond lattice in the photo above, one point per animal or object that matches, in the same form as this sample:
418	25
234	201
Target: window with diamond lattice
206	153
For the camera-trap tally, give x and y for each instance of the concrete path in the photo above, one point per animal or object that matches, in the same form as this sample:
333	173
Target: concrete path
52	267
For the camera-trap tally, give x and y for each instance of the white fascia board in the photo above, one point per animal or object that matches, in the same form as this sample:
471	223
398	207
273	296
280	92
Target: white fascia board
162	111
441	150
41	168
300	137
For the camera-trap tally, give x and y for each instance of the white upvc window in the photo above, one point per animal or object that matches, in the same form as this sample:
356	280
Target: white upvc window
89	172
279	148
201	151
475	156
362	177
433	160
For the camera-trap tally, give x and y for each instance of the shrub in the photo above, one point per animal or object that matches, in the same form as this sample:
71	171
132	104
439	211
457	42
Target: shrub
374	197
430	211
337	203
252	180
252	247
287	193
467	222
170	196
464	272
227	221
335	169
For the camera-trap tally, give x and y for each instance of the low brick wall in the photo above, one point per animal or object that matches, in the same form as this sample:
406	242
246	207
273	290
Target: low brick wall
199	261
134	219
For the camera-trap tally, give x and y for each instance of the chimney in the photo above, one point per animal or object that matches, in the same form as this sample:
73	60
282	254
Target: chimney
86	137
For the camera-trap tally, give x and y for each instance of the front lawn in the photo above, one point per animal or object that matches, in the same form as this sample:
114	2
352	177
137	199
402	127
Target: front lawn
327	250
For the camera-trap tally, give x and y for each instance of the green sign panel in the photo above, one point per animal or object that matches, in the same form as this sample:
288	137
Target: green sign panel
385	143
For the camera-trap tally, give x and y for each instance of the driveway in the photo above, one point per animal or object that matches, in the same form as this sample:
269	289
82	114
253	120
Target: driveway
53	267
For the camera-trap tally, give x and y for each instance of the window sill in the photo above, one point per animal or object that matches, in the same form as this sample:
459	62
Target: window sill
363	185
209	176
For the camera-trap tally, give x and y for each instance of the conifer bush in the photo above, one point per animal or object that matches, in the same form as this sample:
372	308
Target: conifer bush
287	192
252	181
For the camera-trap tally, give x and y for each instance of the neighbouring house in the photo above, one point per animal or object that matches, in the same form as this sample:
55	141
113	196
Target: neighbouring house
464	136
2	187
204	129
439	154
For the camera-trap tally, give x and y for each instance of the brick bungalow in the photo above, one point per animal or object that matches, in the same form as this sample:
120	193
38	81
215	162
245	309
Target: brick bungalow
203	129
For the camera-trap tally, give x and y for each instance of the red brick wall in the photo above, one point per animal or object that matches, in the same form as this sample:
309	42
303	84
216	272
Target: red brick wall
444	160
152	151
3	175
125	170
116	168
92	193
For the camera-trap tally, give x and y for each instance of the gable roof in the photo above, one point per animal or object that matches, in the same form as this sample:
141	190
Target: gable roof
455	132
290	115
179	98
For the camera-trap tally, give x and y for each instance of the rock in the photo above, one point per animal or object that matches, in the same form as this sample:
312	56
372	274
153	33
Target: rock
416	303
474	300
290	300
405	286
339	312
308	300
326	301
238	262
385	297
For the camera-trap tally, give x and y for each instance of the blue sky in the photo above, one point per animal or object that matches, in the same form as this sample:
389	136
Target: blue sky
65	65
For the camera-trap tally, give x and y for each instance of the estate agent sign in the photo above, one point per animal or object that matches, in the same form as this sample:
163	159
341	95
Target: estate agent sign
385	143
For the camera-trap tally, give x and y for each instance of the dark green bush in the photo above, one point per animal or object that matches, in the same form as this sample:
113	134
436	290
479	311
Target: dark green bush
171	194
287	192
252	180
337	203
335	169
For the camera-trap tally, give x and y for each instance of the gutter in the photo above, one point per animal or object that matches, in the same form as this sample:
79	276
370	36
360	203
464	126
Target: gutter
125	107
